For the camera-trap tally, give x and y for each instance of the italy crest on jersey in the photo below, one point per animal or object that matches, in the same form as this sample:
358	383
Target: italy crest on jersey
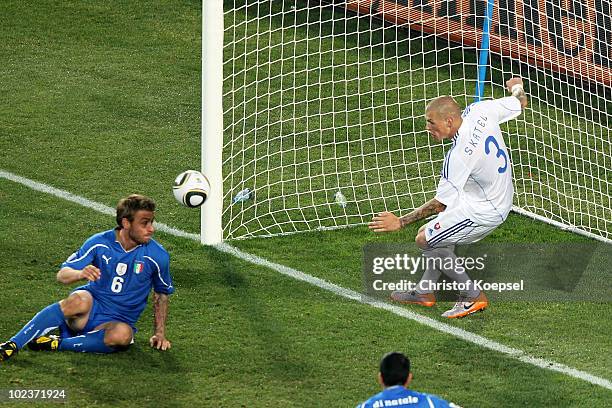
138	267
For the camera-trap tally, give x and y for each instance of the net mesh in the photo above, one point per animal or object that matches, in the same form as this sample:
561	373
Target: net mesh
323	120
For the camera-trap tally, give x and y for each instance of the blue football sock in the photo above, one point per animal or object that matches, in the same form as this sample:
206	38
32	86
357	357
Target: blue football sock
90	342
47	319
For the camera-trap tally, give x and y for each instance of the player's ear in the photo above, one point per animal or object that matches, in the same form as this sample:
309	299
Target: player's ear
408	380
125	223
380	379
449	122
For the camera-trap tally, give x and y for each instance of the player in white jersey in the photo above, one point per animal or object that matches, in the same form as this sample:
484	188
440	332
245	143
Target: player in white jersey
474	195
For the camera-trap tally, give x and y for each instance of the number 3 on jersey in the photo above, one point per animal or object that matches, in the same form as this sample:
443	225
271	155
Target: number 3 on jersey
500	153
117	284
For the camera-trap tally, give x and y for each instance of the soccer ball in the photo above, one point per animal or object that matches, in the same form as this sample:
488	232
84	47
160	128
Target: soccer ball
191	188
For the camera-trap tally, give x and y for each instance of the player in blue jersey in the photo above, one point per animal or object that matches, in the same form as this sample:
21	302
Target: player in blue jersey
121	266
395	376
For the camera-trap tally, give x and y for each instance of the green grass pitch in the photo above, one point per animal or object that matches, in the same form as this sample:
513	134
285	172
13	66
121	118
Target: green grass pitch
103	99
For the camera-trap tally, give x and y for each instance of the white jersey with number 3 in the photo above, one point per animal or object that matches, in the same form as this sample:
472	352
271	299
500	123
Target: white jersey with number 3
477	173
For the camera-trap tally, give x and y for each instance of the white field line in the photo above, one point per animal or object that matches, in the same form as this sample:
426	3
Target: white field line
338	290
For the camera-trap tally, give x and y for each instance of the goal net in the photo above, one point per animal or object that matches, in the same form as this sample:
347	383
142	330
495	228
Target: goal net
323	105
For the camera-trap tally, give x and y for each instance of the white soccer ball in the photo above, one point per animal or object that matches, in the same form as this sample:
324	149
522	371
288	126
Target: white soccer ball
191	188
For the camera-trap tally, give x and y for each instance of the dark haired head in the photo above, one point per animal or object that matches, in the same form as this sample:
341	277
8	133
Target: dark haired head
394	369
127	207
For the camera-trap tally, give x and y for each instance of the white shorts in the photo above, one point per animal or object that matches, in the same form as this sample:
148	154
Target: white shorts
454	226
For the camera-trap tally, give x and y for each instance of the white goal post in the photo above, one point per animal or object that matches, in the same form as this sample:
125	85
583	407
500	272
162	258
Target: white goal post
312	111
212	119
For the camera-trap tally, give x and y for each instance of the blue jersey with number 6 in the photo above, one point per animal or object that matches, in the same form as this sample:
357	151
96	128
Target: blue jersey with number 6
126	277
477	172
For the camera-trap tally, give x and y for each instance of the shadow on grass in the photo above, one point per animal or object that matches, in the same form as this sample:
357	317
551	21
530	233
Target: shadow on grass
274	338
148	377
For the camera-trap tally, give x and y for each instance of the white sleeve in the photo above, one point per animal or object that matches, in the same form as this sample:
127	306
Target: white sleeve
504	109
455	172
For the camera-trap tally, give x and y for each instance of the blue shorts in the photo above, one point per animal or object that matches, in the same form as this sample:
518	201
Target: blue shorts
97	315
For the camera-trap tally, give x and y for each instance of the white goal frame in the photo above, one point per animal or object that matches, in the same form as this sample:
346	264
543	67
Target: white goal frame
212	120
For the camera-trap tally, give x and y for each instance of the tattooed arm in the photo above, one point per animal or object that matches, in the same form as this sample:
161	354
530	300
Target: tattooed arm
160	314
386	221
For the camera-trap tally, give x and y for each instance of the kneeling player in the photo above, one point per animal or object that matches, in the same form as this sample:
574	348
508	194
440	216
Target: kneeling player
122	265
474	195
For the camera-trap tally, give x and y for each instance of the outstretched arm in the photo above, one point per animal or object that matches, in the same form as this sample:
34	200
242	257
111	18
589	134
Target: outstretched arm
67	275
515	86
386	221
160	314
